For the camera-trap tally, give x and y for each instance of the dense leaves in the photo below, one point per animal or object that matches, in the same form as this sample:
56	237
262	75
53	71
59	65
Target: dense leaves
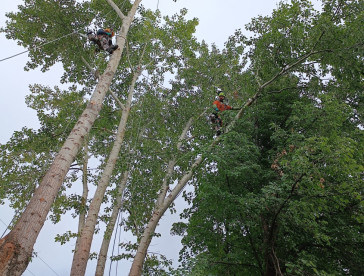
288	180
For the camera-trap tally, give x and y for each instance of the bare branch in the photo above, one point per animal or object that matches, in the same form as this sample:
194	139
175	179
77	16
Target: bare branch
276	263
183	134
258	79
279	91
96	74
128	56
116	99
116	8
171	165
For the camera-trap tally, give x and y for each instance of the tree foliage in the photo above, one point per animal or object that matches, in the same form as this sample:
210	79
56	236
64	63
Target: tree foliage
288	178
279	193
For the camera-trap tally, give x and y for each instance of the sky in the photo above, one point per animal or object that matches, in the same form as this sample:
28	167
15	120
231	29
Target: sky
217	21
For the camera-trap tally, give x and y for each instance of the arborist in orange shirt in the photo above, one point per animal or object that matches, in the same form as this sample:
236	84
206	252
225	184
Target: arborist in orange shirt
218	107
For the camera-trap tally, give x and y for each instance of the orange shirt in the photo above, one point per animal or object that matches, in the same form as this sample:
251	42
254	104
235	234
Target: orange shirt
108	30
221	106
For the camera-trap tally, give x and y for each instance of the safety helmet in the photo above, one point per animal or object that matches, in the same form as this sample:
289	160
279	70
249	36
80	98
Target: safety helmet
221	94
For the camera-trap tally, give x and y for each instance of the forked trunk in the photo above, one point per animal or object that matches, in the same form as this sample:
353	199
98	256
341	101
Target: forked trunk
163	203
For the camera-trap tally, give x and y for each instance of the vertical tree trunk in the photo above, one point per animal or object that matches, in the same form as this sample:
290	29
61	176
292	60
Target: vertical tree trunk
100	267
16	247
82	216
83	247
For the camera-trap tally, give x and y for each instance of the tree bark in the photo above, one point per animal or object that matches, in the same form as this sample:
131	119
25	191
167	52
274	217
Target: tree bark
81	219
83	247
16	247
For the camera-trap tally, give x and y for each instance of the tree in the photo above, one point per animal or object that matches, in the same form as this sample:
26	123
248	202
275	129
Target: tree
17	246
167	140
289	176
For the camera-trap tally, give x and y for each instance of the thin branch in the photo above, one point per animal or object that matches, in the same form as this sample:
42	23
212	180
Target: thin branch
255	251
128	56
171	164
276	263
134	224
116	9
283	204
287	68
96	74
258	78
279	91
122	106
184	133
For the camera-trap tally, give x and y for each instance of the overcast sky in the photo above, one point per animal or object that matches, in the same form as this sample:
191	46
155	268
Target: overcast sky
218	20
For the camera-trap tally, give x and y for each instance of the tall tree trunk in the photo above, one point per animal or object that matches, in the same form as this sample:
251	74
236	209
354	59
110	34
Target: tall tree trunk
16	247
100	267
81	218
83	247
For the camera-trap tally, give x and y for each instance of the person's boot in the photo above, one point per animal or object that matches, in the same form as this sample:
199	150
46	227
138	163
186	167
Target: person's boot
111	49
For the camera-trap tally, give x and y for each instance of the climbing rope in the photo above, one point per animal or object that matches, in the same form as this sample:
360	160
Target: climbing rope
35	47
118	223
49	42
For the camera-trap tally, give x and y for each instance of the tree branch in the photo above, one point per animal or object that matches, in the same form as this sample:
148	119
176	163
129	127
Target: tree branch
279	91
128	55
255	252
134	224
96	74
116	9
171	165
282	206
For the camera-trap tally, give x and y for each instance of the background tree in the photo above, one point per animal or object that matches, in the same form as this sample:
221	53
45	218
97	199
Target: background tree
288	177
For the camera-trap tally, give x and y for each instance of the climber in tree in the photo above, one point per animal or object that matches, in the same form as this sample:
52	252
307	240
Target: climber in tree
219	106
103	39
